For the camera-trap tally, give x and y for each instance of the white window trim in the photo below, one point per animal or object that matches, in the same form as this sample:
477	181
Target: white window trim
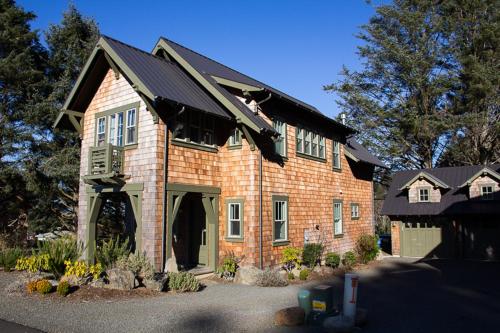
284	219
229	220
340	220
420	196
128	127
489	195
355	210
283	136
337	161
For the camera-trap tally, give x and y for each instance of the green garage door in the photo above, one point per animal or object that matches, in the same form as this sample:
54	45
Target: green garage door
425	239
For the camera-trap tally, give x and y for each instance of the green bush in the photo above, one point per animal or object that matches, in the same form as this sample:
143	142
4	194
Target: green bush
63	288
8	258
291	276
183	282
332	259
366	248
270	278
43	286
109	252
311	255
304	274
60	250
229	266
137	263
291	258
349	259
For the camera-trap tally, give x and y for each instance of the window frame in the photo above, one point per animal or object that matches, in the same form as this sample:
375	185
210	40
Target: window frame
313	140
280	241
283	136
235	201
186	140
107	114
235	139
97	131
489	196
128	127
336	155
358	215
341	218
419	196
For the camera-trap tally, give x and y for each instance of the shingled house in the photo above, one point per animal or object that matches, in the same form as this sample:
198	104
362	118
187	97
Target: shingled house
212	160
446	212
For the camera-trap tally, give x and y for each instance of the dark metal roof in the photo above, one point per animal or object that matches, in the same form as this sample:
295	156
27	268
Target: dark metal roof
166	79
454	201
206	65
361	153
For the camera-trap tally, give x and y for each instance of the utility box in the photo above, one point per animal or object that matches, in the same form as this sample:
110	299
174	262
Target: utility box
321	304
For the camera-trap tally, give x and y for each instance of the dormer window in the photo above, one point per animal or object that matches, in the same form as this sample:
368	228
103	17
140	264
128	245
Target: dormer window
423	195
486	192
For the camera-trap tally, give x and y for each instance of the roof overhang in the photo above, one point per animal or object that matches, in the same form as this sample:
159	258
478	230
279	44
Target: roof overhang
482	173
424	175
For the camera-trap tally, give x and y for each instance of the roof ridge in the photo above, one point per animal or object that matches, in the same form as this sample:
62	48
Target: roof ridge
137	49
489	166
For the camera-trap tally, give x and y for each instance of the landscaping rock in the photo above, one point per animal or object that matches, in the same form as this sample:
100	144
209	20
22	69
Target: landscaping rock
54	283
171	266
361	317
120	279
73	280
339	324
98	284
247	275
156	285
15	288
323	270
293	316
283	274
296	272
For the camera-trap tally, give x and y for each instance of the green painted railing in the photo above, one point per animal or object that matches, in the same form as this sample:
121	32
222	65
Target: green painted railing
105	160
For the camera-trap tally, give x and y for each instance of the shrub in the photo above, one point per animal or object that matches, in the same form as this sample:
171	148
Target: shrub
312	254
63	288
366	248
270	278
137	263
304	274
332	259
291	276
183	282
34	263
31	286
229	266
349	259
9	257
291	258
59	251
80	269
109	252
43	286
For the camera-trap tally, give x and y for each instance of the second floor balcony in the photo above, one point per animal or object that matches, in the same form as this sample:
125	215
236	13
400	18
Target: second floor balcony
105	165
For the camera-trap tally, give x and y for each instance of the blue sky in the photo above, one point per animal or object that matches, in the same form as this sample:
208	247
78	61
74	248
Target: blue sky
294	46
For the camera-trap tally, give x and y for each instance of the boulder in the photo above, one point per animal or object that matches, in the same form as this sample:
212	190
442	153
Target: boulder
361	317
293	316
155	284
323	270
54	283
73	280
120	279
247	275
338	324
98	284
171	266
296	272
283	274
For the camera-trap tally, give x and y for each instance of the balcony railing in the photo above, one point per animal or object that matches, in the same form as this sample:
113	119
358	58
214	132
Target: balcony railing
106	160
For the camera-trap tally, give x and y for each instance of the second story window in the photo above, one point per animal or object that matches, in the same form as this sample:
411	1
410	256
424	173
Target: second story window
336	155
423	195
310	143
101	131
117	126
280	143
235	138
195	127
131	126
487	192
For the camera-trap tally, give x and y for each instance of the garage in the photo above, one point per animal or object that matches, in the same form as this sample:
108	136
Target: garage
426	238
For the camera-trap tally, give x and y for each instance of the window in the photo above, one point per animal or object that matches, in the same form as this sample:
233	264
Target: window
280	219
423	195
235	138
280	143
101	131
336	155
117	126
354	211
337	218
487	192
234	219
310	143
195	127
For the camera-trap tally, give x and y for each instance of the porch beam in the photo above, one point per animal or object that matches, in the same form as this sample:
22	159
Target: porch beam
175	187
249	137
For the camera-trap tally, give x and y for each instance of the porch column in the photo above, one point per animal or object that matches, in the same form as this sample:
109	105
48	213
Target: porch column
136	203
174	200
211	206
94	202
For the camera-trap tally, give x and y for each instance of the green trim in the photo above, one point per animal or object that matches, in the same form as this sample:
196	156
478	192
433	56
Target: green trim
275	198
338	236
150	107
431	179
238	143
118	109
285	136
359	212
483	172
72	117
428	188
176	187
94	203
310	157
136	203
351	156
249	137
113	65
235	84
235	147
123	108
341	202
241	202
337	168
192	145
132	187
206	84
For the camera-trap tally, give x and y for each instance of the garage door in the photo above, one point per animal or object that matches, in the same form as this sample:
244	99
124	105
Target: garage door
425	239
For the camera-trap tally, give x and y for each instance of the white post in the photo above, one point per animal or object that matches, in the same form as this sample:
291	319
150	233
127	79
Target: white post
350	295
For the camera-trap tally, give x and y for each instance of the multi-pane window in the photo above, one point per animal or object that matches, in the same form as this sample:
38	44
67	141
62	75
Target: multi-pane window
355	211
487	192
235	138
234	220
310	143
336	155
280	143
101	131
423	194
195	127
117	126
280	219
337	218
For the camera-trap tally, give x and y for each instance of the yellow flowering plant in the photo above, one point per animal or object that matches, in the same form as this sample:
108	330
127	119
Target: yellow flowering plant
81	269
34	263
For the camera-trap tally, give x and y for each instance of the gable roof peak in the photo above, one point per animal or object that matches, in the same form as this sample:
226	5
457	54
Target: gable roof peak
481	173
430	178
